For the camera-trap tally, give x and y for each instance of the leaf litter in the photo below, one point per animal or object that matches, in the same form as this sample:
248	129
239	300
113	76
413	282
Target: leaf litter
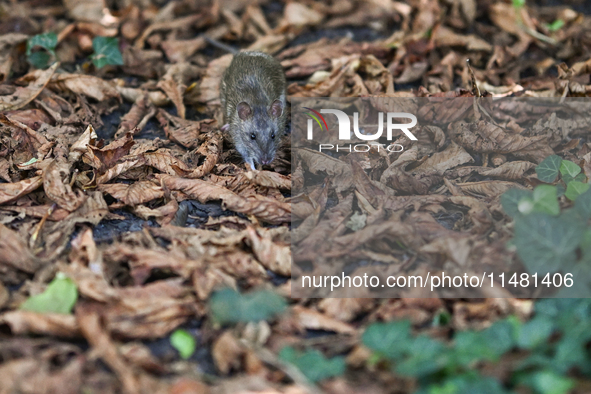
111	247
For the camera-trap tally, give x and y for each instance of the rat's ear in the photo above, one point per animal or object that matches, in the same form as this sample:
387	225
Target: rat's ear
244	110
276	109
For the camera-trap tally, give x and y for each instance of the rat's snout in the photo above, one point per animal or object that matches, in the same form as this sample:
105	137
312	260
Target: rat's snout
266	159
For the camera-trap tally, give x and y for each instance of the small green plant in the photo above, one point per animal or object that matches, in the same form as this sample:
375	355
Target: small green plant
552	343
550	240
60	296
183	342
518	3
41	49
106	52
313	364
556	25
229	306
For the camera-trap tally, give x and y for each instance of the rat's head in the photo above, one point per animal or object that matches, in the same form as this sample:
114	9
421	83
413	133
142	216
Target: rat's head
259	131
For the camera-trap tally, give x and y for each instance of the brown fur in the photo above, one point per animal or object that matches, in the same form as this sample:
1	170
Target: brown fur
258	80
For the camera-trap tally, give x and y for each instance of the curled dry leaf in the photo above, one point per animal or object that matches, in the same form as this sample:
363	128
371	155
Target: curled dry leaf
314	320
227	352
104	158
298	14
135	116
80	147
345	309
209	88
453	156
14	252
32	118
12	191
87	85
317	162
89	318
269	179
26	322
57	188
185	132
265	209
157	97
135	193
273	256
486	137
23	96
164	162
211	150
488	188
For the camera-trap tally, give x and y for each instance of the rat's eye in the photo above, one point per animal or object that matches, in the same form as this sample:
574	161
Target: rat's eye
273	136
253	136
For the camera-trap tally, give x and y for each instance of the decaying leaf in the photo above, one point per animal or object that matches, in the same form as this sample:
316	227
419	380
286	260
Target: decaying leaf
265	209
23	96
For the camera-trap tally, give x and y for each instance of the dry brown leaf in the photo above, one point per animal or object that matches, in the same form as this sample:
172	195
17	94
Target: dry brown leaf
14	252
26	322
269	179
80	147
453	156
104	158
265	209
12	191
298	14
136	115
313	320
211	150
174	91
133	194
488	188
23	96
339	172
89	318
272	256
57	188
345	309
88	85
486	137
227	352
209	88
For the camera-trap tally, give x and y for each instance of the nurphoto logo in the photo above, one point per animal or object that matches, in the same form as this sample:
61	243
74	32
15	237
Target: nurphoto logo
345	129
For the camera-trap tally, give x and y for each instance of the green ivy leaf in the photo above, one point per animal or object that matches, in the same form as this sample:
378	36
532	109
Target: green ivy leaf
425	356
106	52
470	346
466	383
569	170
388	339
548	243
548	382
46	41
549	168
229	306
60	296
534	332
545	200
501	334
313	364
511	198
574	189
583	204
183	342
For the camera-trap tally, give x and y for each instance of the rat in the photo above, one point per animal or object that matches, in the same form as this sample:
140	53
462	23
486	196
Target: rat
252	93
